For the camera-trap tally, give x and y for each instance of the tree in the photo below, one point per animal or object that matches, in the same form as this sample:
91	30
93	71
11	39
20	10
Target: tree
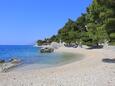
93	27
40	42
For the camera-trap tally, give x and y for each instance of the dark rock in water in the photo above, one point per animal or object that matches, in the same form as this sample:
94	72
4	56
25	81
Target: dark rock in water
47	50
2	61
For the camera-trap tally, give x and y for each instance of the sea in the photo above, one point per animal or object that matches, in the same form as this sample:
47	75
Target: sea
31	58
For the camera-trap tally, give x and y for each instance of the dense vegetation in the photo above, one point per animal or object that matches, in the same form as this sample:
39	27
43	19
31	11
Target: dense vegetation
94	27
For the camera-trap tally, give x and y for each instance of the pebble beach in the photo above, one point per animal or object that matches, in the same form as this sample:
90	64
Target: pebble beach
90	71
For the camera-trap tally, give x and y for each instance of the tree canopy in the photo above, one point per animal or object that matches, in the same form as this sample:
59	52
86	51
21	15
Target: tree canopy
95	26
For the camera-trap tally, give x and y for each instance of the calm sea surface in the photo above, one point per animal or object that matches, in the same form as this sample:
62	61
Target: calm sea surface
31	56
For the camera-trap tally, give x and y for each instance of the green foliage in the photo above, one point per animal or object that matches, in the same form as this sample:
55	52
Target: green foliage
112	43
40	42
69	32
93	27
110	25
112	35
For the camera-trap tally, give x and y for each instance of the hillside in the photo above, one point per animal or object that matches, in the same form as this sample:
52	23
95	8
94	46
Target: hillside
94	27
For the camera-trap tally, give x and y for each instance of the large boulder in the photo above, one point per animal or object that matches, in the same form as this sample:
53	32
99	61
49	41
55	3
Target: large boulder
55	45
4	67
47	50
73	45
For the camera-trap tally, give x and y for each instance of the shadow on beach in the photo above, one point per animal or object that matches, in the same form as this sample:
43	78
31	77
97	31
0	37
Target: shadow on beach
107	60
95	47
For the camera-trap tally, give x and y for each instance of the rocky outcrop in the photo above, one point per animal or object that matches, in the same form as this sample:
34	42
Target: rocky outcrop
47	50
5	66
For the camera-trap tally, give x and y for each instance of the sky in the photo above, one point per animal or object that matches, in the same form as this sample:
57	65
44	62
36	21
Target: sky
22	22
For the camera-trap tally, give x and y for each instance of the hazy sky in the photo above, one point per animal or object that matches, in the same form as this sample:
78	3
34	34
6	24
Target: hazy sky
25	21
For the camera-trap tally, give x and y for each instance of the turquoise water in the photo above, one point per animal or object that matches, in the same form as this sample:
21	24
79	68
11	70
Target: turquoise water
31	55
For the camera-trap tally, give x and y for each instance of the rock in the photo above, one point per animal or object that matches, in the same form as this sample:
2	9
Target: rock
73	45
15	61
46	50
6	66
55	45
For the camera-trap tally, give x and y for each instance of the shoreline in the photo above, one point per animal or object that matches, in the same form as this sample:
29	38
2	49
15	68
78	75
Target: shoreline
90	71
72	57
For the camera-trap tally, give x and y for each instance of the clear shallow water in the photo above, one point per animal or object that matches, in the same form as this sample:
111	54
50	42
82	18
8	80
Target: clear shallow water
31	56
